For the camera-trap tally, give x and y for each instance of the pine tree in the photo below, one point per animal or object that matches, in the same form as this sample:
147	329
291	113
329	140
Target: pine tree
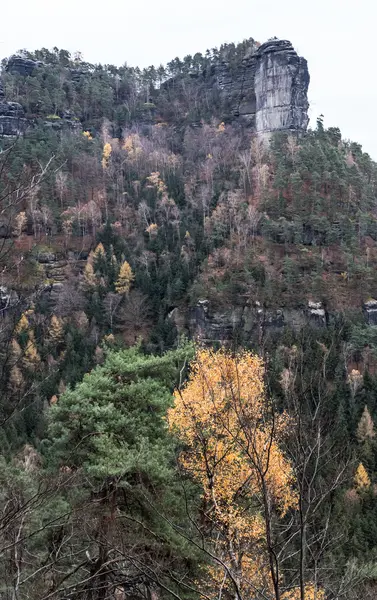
125	278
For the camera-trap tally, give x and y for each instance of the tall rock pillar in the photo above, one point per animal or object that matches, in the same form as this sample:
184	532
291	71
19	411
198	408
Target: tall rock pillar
281	85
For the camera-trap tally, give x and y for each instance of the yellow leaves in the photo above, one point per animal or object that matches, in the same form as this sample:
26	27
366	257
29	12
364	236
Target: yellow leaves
16	379
152	229
55	331
132	145
106	153
125	278
365	428
109	339
22	325
361	479
155	180
87	134
90	279
221	417
311	593
99	251
31	357
15	351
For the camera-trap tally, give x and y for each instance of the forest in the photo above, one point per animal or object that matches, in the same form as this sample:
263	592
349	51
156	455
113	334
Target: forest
188	343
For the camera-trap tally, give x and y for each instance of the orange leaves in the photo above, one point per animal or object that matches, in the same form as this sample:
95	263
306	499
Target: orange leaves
232	437
222	416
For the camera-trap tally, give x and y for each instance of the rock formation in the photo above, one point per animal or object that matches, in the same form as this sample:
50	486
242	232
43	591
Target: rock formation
269	88
12	117
17	65
281	86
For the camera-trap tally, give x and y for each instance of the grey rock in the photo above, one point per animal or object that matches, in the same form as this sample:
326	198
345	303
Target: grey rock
46	257
316	314
266	90
244	322
8	298
22	66
370	312
281	86
12	118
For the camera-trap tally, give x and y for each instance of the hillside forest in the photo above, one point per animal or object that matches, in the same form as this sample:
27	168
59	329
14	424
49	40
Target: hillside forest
188	356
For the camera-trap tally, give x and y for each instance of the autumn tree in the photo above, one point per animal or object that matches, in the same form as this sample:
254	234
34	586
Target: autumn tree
55	331
231	437
365	429
125	279
362	481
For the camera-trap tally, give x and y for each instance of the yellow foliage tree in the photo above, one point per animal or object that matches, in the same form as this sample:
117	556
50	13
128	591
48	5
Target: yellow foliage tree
106	153
22	325
365	428
55	330
99	251
362	481
15	352
232	450
90	279
16	380
125	278
31	357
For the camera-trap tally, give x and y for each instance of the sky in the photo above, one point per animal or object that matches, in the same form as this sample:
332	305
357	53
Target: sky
335	36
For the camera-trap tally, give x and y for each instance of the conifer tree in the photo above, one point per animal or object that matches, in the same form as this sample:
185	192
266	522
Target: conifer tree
362	481
125	278
22	325
15	352
55	330
90	279
16	380
31	356
365	429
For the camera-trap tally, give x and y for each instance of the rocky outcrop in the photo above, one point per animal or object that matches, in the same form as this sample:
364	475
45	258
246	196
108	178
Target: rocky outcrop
237	84
281	87
269	88
370	312
17	65
12	117
242	323
266	88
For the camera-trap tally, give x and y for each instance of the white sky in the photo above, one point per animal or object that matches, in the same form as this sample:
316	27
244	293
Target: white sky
337	37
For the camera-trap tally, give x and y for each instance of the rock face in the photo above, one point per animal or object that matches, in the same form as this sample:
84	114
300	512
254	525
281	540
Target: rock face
244	323
12	118
266	88
21	66
370	312
269	89
281	85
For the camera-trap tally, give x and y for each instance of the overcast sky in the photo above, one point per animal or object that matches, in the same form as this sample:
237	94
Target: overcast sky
337	37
